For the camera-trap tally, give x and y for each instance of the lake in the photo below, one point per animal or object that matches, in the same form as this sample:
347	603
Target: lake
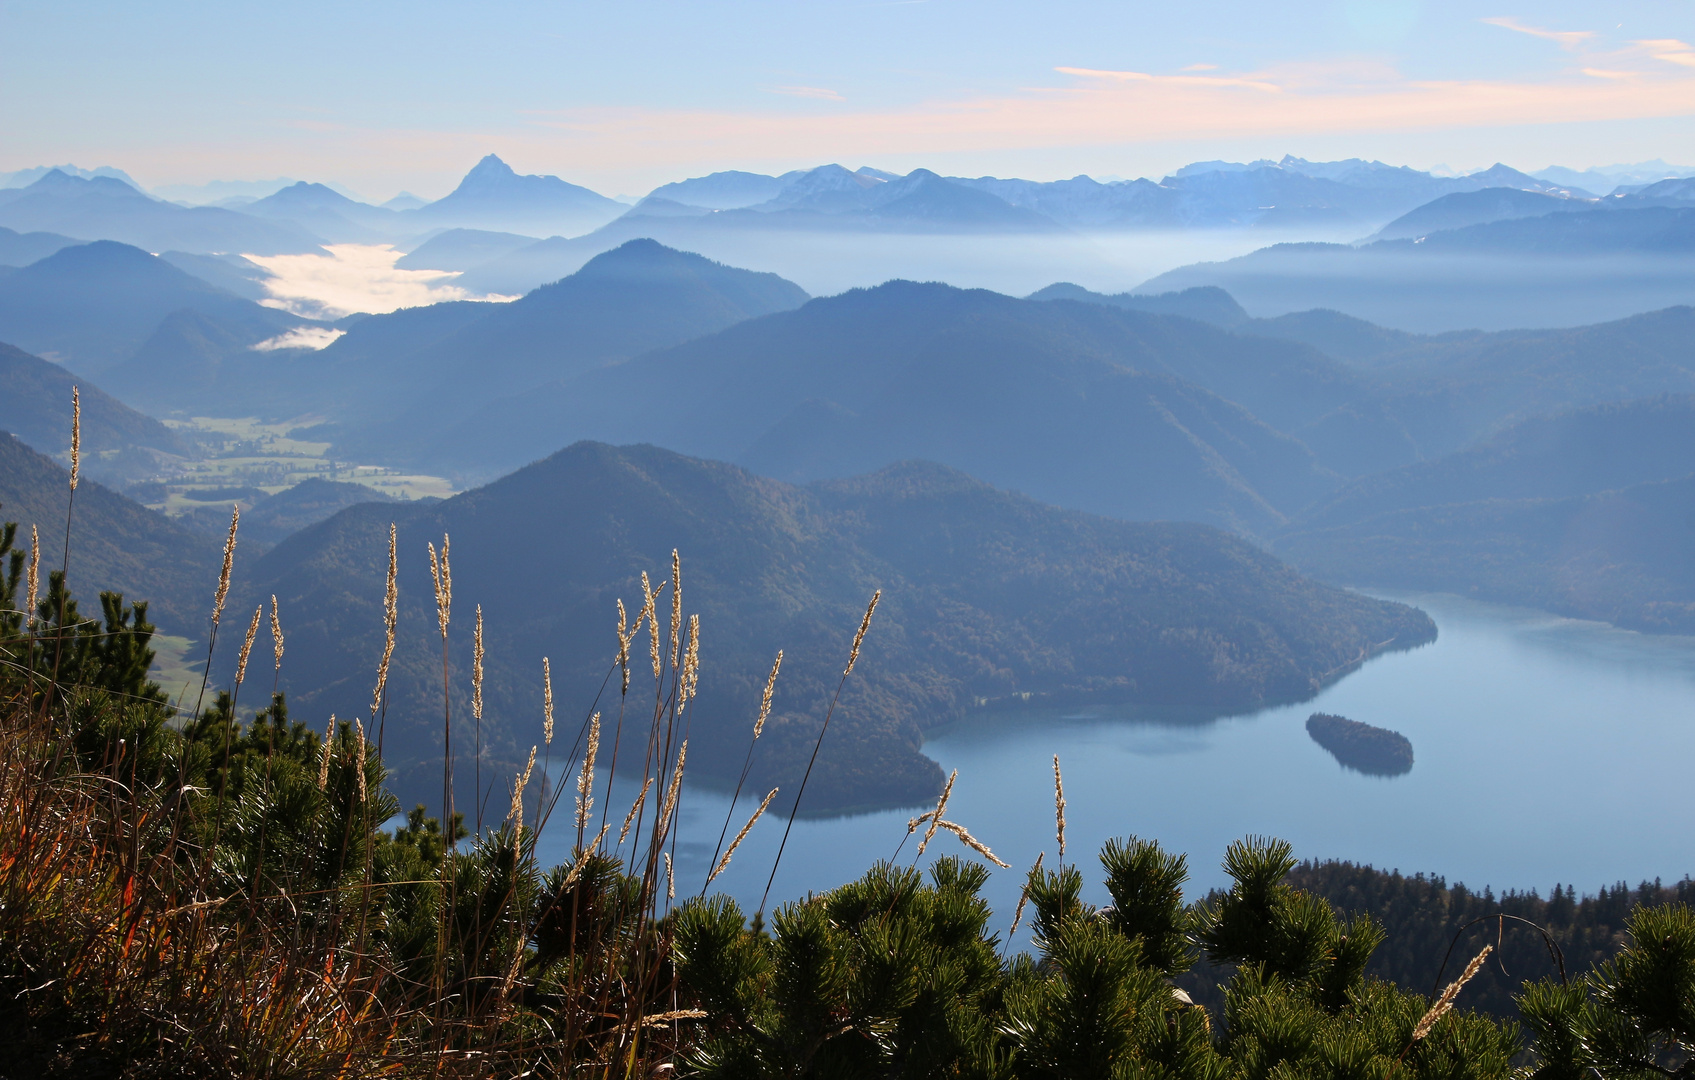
1547	750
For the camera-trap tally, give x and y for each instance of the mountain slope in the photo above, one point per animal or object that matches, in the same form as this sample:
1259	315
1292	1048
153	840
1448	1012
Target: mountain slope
116	544
118	443
23	248
986	597
492	196
1558	270
1465	208
1110	411
108	209
92	306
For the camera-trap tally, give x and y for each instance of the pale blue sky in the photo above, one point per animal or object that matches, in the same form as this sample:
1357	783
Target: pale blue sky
386	96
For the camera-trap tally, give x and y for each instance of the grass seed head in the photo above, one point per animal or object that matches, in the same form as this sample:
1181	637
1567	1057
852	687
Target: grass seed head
765	701
585	782
247	645
276	633
229	564
1446	1001
324	762
1024	896
859	638
359	755
635	808
936	814
676	605
477	667
973	843
547	702
76	436
34	574
731	850
1059	806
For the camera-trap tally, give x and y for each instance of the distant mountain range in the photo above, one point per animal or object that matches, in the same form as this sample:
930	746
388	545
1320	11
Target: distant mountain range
1577	263
92	307
393	381
1108	411
987	598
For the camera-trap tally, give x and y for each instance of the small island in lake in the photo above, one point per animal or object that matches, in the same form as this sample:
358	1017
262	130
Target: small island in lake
1374	750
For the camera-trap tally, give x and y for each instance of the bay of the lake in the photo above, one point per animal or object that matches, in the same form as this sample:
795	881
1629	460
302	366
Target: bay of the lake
1547	750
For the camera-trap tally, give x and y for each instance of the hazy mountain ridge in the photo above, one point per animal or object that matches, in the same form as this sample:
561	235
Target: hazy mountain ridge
116	544
118	443
982	382
986	595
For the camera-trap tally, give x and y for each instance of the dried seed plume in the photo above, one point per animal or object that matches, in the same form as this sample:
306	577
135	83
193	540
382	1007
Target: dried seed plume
672	792
276	633
76	436
1024	896
442	574
676	605
624	636
585	782
936	814
731	850
359	755
1446	1001
670	879
324	762
691	665
765	701
477	667
34	574
650	611
859	638
547	703
391	615
247	645
1059	806
635	808
516	813
229	564
973	843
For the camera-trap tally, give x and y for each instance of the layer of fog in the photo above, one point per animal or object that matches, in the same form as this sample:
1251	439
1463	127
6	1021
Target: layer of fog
354	278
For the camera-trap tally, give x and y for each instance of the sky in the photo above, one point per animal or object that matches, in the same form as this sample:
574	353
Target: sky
383	96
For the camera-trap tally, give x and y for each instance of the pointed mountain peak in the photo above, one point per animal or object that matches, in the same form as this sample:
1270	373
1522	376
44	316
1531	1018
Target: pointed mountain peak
491	166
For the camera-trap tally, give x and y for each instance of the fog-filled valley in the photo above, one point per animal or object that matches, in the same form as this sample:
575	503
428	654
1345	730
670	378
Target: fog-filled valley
1351	498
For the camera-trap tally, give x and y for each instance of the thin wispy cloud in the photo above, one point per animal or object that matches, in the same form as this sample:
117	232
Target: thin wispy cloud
1570	40
1670	50
1192	80
818	93
1200	67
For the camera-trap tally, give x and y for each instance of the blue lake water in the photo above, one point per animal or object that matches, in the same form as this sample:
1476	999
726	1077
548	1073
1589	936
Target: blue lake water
1546	750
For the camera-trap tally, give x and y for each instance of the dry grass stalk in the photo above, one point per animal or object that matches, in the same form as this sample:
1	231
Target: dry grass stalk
76	436
247	646
670	879
973	843
442	574
864	625
765	702
391	613
1452	991
676	605
661	1019
477	667
936	814
359	755
673	791
324	762
650	612
635	808
224	574
577	866
547	703
516	814
1024	896
624	636
731	850
1059	806
585	782
691	665
34	574
276	633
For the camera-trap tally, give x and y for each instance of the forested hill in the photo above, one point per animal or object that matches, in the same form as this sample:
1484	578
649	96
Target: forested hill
116	544
987	597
